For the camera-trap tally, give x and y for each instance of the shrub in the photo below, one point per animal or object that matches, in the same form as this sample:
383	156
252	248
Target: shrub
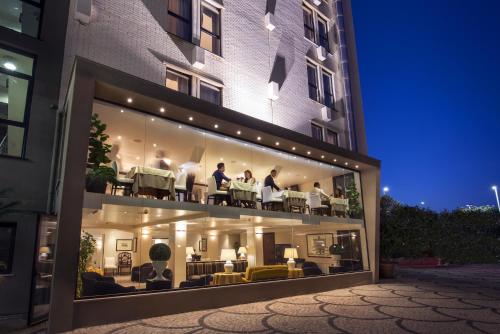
159	252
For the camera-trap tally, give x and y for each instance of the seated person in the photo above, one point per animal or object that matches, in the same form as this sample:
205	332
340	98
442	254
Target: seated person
269	181
219	177
249	178
338	193
320	192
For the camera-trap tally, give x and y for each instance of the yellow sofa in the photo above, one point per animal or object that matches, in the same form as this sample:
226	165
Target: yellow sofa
262	273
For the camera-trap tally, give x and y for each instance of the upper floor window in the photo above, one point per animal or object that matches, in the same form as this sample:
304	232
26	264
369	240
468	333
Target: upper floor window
323	34
328	97
332	137
210	93
312	80
21	15
309	24
16	83
210	28
179	18
317	132
178	81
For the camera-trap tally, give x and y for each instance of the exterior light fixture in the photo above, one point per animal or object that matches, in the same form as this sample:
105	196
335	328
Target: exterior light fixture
152	119
259	138
121	110
180	126
198	57
216	126
385	190
129	100
347	164
162	109
422	203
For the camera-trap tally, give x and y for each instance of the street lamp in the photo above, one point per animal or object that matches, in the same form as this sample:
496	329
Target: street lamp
495	189
422	203
385	190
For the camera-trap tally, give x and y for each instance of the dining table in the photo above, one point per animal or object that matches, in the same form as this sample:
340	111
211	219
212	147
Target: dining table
339	205
151	181
292	200
241	191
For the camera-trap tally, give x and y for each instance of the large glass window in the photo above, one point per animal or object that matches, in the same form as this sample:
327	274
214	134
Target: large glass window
178	81
332	137
328	97
16	73
21	15
7	243
179	18
210	93
308	24
317	132
210	28
323	34
312	81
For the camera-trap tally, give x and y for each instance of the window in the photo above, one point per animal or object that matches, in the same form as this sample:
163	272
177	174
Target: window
317	132
179	82
332	137
309	24
7	241
210	28
323	34
328	98
312	80
179	18
15	89
21	15
210	93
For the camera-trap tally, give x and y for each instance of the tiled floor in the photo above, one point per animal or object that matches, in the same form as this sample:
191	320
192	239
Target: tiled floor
453	300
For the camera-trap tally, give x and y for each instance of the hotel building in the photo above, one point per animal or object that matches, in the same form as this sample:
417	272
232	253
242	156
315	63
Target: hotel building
159	94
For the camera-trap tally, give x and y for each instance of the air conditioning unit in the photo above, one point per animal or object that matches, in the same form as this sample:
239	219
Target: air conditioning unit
198	57
321	53
269	21
326	114
83	11
317	2
273	90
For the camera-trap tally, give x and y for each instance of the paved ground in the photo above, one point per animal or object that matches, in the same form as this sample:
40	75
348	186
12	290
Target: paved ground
453	300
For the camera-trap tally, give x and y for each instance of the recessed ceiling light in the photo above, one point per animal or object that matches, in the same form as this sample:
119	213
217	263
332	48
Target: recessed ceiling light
216	126
121	110
162	109
322	157
154	145
357	166
221	159
308	152
238	132
277	143
259	138
180	126
129	100
293	148
119	137
137	158
10	66
190	118
152	119
334	160
347	164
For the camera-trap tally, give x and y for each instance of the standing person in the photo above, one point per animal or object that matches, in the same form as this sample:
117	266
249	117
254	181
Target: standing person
269	181
321	192
219	177
249	178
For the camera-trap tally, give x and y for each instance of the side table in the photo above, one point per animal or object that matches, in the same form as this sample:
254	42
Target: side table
227	278
295	273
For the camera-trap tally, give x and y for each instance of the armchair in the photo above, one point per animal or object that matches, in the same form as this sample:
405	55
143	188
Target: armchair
311	269
124	262
94	284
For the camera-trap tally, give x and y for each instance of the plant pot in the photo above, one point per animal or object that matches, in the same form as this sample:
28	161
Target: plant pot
387	269
159	267
95	185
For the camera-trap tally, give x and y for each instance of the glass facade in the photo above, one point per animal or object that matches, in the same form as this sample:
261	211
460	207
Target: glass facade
21	15
174	162
16	72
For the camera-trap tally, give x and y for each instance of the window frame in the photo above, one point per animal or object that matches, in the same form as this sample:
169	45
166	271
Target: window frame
335	135
310	85
218	37
189	20
39	28
325	39
311	29
204	82
182	75
332	88
29	96
320	131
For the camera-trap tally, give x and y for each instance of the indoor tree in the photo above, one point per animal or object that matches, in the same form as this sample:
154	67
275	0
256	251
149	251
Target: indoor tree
352	193
87	249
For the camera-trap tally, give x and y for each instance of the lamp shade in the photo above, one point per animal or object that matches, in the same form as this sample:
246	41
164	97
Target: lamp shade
44	250
291	253
190	251
227	254
242	250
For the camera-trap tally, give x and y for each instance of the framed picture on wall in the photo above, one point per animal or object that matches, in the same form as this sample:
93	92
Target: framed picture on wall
124	245
202	245
318	244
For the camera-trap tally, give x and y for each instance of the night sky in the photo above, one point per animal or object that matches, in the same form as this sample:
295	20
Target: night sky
430	74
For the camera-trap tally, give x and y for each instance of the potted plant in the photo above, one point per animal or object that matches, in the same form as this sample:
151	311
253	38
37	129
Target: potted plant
87	249
98	174
352	194
159	255
335	251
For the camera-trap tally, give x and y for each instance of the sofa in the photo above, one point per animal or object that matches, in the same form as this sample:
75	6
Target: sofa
94	284
146	271
204	270
311	269
263	273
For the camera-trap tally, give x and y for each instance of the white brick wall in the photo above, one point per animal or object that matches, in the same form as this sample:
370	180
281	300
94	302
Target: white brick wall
125	35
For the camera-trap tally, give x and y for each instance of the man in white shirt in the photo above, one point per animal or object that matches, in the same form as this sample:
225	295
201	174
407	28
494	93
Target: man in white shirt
317	189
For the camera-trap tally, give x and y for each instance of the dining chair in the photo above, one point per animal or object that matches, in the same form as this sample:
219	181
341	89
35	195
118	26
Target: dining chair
180	186
121	182
217	195
314	204
269	201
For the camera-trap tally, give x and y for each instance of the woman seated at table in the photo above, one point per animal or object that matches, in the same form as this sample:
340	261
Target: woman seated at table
249	178
338	193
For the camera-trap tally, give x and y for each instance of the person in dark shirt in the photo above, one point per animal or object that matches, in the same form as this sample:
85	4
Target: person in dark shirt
269	181
219	176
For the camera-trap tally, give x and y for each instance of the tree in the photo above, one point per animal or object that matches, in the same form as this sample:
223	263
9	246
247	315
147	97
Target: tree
87	249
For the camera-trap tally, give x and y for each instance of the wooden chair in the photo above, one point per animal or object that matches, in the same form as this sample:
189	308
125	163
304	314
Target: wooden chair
124	262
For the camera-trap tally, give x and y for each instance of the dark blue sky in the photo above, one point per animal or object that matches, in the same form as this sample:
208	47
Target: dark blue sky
430	74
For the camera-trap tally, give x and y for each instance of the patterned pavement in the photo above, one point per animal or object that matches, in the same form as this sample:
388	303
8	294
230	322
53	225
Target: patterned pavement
446	300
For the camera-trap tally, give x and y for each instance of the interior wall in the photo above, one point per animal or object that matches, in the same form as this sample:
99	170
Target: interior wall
109	244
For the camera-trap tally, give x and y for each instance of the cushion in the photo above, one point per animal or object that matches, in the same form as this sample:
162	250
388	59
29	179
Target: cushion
124	180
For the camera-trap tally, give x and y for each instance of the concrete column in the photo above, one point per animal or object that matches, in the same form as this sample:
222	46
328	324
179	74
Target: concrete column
255	249
213	252
178	246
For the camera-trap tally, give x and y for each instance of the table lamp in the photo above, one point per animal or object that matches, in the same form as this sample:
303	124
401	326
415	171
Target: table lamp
291	254
243	252
228	255
44	252
189	252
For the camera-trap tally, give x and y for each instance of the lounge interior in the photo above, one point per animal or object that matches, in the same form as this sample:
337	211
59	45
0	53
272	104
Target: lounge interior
123	236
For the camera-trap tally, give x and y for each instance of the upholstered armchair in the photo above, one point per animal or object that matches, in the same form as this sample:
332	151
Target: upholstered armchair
124	262
94	284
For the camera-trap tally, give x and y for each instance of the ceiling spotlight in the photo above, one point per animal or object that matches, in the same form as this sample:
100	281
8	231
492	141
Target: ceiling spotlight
121	110
162	109
347	164
293	148
154	145
277	143
308	152
152	119
238	132
216	126
129	100
180	126
259	138
221	159
322	157
190	118
334	160
119	137
357	166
